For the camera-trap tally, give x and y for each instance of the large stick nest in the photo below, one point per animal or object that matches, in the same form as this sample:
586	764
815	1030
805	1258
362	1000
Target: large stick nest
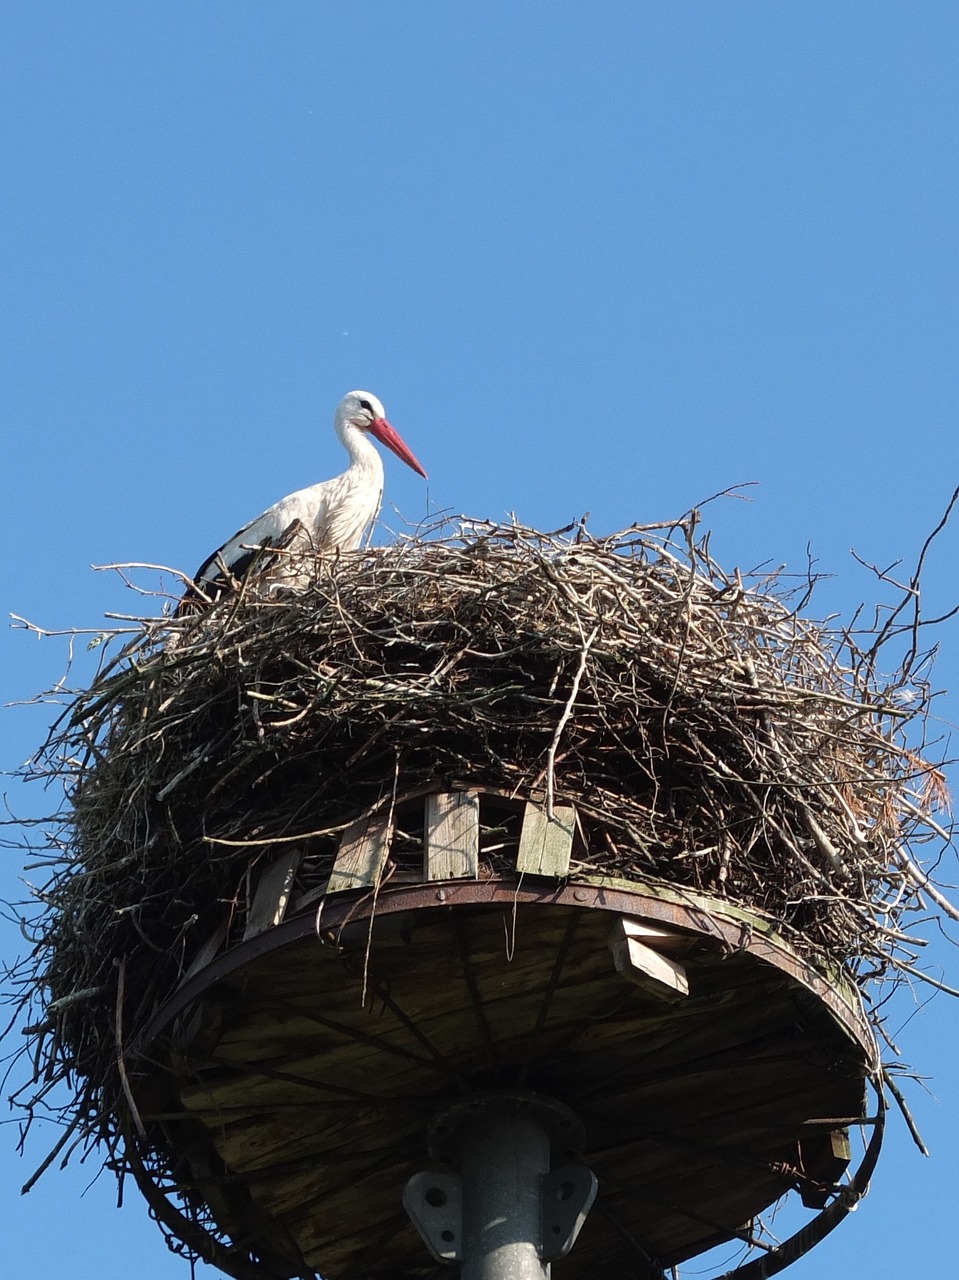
709	735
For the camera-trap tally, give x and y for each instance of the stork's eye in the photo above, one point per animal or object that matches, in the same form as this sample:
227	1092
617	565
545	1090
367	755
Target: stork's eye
365	404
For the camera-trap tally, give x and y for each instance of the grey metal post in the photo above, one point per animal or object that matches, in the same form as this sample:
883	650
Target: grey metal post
503	1158
506	1213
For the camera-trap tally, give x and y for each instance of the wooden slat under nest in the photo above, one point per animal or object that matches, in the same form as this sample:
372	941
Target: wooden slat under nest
708	734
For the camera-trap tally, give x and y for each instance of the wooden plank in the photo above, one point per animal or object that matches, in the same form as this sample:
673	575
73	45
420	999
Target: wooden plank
824	1158
654	973
208	950
312	895
545	844
667	941
730	1070
272	895
451	837
362	855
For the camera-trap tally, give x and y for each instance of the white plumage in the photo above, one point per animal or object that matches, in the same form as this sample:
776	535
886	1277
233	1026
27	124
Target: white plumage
331	516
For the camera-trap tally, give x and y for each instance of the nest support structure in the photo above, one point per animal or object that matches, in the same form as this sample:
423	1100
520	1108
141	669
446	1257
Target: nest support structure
693	735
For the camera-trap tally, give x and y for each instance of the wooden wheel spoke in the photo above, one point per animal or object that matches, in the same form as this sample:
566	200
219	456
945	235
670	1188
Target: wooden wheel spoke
385	1156
359	1267
479	1013
556	972
653	1270
438	1058
383	1043
321	1086
721	1229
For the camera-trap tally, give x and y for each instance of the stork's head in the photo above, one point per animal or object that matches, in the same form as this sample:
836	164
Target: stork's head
362	411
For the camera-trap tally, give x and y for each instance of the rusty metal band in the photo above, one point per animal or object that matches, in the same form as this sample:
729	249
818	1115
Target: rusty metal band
783	1255
337	910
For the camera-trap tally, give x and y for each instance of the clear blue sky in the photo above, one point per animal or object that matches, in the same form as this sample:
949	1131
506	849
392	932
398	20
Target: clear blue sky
605	257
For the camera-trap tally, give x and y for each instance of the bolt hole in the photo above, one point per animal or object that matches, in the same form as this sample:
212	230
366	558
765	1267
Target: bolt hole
555	1229
565	1190
447	1237
436	1197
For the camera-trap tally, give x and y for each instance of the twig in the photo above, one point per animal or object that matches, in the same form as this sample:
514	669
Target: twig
906	1113
563	721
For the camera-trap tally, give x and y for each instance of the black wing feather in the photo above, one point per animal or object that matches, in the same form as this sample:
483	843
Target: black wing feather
214	578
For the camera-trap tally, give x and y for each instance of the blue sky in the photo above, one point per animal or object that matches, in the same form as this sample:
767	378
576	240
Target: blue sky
593	257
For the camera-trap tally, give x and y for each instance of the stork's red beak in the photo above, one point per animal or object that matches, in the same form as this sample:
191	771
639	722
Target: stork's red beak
389	436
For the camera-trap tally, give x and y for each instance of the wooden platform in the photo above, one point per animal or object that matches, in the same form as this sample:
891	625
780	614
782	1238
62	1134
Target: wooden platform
297	1070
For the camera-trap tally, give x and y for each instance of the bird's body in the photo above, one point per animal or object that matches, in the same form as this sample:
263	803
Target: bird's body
328	517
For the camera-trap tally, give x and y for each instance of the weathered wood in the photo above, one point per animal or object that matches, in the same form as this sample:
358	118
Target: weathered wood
637	961
272	895
545	844
362	855
451	836
302	900
314	1098
825	1158
208	950
667	941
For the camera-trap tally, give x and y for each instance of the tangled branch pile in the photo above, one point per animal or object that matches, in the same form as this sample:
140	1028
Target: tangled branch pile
709	735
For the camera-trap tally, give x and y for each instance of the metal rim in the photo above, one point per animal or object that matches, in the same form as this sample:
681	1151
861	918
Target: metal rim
338	910
705	918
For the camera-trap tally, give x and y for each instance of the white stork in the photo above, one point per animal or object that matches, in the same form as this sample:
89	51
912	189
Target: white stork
331	516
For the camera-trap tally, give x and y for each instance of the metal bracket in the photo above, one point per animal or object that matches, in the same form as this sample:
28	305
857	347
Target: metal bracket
434	1202
567	1197
505	1214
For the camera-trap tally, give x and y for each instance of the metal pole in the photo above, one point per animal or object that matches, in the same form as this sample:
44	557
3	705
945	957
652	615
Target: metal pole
502	1212
503	1159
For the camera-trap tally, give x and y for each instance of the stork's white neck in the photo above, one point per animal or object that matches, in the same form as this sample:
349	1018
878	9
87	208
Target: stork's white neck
364	455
